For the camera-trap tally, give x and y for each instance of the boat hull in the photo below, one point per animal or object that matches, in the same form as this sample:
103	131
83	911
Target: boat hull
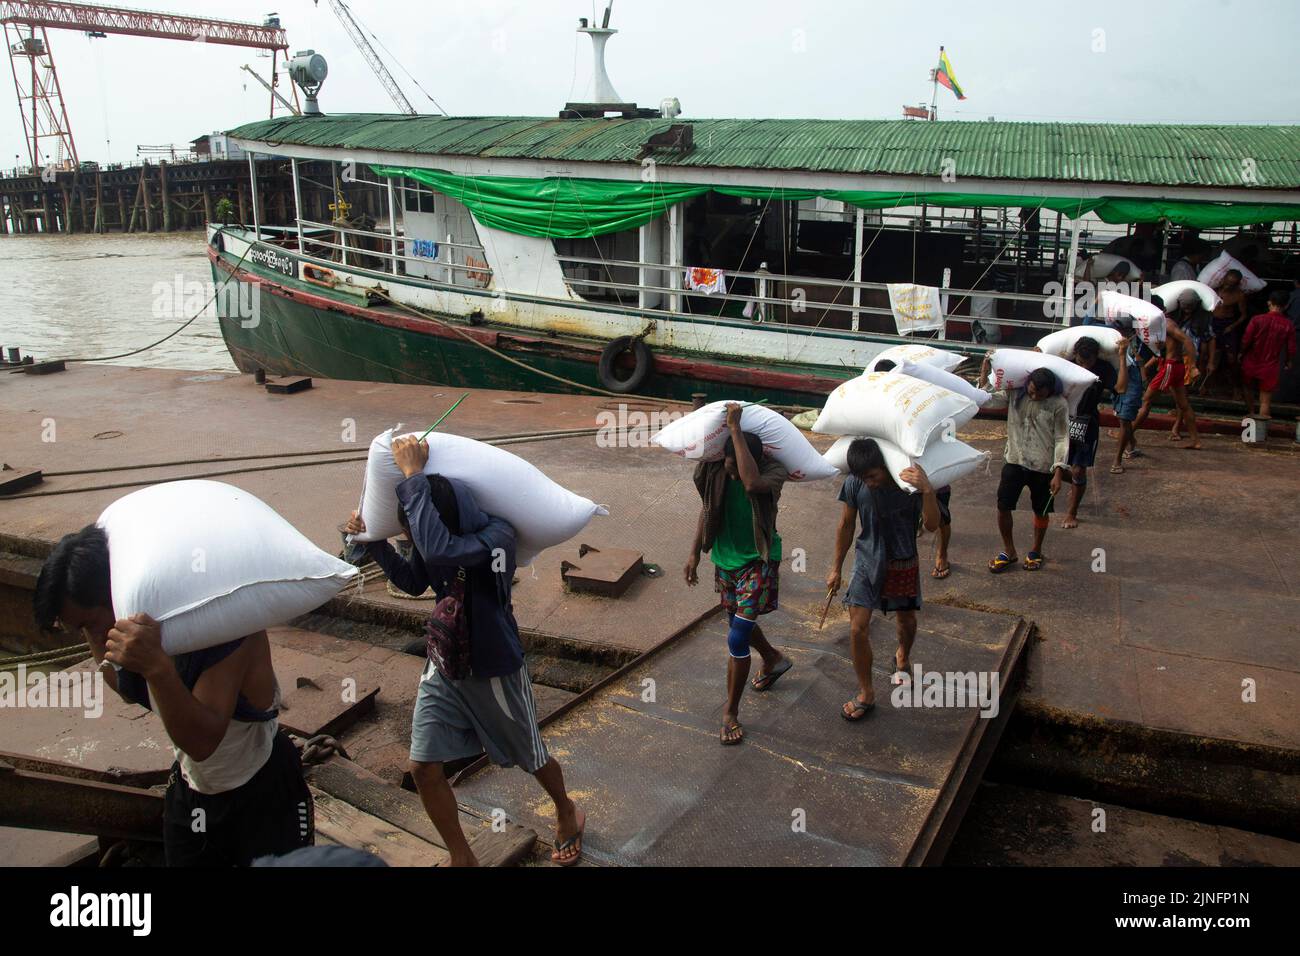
300	330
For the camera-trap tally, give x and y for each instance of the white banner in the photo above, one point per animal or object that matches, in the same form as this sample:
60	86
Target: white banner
916	308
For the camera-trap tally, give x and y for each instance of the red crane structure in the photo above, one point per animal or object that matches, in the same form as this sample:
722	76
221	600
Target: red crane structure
40	100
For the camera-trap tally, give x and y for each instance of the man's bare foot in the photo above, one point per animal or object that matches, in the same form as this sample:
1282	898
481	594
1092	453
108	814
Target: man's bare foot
732	733
569	827
857	708
1191	446
771	672
1070	521
901	668
1175	436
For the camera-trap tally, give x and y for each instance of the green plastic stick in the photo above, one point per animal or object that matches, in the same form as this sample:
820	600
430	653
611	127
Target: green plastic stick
444	415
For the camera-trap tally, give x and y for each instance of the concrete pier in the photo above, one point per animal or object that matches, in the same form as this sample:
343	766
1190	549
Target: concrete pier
1167	616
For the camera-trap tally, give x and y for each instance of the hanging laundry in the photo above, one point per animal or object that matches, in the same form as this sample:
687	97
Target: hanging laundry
707	281
916	308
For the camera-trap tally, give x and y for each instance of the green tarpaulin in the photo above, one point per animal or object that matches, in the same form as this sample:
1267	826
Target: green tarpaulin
581	208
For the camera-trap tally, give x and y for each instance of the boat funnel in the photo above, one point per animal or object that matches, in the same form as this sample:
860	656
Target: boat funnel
602	91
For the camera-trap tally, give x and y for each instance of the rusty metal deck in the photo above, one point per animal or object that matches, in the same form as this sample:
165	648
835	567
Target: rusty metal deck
659	790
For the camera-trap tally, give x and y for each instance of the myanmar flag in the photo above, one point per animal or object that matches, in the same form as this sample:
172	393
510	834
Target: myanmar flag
945	75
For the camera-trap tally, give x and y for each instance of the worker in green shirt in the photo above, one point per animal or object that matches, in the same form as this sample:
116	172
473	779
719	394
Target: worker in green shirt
737	526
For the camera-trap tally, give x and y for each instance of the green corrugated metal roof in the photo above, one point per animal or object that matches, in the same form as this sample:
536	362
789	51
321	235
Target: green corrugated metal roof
1204	156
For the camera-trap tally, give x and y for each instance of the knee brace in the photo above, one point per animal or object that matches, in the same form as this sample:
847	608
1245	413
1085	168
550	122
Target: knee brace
738	636
1041	521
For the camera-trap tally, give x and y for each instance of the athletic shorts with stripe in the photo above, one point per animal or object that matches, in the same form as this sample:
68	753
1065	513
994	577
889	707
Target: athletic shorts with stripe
463	718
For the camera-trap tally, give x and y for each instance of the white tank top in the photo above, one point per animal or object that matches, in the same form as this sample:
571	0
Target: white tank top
242	752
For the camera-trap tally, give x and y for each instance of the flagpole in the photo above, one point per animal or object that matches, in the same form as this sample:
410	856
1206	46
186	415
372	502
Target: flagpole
934	93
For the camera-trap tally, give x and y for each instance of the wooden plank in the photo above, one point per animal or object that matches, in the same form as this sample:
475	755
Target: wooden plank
368	792
344	824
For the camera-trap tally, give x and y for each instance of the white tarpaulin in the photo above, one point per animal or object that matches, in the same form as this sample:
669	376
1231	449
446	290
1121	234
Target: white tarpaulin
916	308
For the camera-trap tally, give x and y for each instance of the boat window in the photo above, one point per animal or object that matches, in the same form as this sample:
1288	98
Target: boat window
600	254
416	197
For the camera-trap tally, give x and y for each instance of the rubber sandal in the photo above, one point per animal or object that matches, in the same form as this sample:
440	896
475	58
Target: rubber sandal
1033	561
722	735
764	682
1001	563
1117	469
859	708
940	573
575	840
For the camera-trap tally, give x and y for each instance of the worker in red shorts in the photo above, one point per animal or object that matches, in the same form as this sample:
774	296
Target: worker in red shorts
1174	372
1268	338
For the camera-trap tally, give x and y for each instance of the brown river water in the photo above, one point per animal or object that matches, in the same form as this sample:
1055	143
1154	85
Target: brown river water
86	296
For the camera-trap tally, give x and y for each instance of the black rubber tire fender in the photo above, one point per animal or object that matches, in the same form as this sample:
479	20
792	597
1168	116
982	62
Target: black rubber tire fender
644	364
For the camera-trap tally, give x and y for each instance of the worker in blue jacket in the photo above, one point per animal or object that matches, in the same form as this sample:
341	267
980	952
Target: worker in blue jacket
492	708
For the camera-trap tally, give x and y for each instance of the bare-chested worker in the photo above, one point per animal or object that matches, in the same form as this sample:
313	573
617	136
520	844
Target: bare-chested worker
1228	324
1175	370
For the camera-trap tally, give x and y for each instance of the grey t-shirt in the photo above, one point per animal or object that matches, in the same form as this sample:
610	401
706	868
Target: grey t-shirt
887	520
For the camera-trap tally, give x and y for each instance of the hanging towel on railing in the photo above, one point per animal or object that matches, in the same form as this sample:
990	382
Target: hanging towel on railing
916	308
707	281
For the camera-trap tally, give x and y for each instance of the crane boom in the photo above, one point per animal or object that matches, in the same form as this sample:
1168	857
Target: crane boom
371	57
143	23
40	99
272	90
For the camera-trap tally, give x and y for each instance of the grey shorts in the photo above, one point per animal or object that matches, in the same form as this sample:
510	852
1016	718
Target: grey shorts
463	718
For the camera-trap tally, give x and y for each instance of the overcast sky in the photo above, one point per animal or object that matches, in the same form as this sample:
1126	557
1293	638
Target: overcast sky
1170	61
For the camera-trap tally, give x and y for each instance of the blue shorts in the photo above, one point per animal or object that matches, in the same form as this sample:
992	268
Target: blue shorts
1127	405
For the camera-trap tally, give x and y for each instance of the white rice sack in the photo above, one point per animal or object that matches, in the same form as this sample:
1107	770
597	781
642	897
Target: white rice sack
1171	292
954	383
1011	368
701	436
542	512
1061	343
212	563
1103	264
896	407
919	354
1146	318
1218	268
944	461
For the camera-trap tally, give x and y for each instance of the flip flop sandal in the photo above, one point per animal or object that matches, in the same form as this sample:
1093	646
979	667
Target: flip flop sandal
1117	469
764	682
860	709
940	573
723	739
1001	563
575	840
1033	561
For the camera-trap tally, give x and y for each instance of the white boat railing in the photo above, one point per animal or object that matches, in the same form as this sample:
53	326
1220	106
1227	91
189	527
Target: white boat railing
765	302
481	272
